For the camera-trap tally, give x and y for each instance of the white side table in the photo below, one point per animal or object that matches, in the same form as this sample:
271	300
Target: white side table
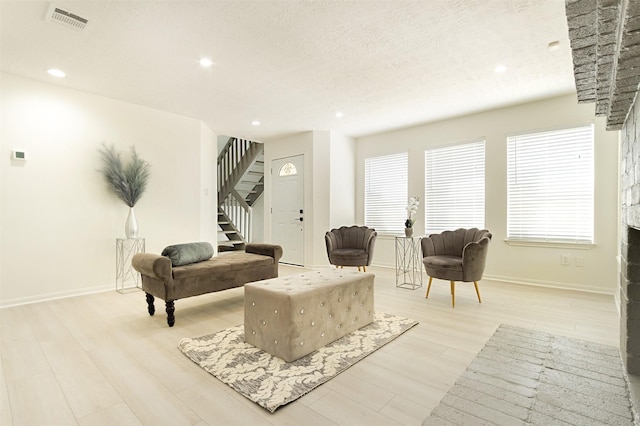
127	279
408	262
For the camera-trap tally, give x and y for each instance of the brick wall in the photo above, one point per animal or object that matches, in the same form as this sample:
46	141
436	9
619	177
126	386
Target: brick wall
630	245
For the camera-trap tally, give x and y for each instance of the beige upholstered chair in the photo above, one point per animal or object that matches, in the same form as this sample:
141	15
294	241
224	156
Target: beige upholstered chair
351	246
458	255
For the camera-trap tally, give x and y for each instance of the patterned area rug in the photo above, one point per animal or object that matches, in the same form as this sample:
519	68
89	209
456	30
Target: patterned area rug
524	377
270	381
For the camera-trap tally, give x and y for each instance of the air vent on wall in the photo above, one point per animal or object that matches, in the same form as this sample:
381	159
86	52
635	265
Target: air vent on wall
66	18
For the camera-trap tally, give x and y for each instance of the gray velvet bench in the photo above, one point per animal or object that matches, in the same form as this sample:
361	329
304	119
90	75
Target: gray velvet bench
292	316
186	270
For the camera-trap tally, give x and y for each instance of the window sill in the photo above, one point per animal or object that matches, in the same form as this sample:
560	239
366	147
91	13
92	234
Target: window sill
550	244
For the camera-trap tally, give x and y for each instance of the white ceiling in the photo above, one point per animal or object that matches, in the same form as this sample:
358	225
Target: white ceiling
293	64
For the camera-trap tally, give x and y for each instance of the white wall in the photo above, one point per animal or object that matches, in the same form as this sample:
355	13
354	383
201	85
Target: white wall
536	265
208	186
342	177
321	206
257	224
58	220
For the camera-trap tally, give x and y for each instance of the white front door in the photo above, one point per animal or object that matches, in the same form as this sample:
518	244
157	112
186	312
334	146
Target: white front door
287	201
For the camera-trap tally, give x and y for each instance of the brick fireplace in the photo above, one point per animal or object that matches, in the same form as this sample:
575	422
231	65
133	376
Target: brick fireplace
630	245
605	42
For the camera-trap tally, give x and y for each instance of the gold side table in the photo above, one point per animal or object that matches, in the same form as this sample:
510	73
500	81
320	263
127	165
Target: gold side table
127	279
408	262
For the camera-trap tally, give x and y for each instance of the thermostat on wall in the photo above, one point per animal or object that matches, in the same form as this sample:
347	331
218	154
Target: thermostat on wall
18	155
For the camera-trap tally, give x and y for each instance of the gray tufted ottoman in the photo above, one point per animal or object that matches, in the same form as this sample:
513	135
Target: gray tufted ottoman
292	316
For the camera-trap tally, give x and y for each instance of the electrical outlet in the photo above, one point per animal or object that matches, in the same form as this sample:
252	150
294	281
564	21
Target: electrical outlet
579	261
564	260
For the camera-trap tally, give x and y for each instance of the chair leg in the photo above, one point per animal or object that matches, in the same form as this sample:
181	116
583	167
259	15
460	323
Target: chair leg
337	266
475	283
358	269
428	287
453	294
364	268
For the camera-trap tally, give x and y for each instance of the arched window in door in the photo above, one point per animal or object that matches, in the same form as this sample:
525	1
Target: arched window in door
287	169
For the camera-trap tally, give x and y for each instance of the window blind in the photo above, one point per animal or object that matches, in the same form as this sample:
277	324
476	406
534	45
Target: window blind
550	186
454	187
385	192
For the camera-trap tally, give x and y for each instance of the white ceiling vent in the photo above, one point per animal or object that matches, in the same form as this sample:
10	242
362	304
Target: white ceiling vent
66	18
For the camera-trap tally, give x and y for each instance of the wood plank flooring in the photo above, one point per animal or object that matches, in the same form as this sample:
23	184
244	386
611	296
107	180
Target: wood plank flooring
102	360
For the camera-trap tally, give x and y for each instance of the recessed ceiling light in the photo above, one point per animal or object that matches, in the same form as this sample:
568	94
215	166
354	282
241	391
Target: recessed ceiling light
206	62
255	123
339	114
500	68
56	73
554	45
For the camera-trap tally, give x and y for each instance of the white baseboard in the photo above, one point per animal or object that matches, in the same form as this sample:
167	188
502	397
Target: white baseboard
56	295
547	284
526	281
382	265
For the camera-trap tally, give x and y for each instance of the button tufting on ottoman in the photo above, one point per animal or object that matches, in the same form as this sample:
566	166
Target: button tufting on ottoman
292	316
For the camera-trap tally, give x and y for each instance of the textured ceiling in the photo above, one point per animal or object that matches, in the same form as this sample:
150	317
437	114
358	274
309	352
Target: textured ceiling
293	64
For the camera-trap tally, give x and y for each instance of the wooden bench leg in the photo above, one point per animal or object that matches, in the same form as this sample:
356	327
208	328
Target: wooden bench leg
171	319
150	306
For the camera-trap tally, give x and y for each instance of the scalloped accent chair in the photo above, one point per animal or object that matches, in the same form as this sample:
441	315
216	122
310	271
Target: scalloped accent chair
458	255
351	246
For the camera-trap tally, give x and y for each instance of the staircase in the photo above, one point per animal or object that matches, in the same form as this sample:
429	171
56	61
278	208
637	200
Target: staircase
240	185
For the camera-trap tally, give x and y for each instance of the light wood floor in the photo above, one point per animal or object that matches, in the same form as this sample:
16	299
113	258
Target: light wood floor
102	360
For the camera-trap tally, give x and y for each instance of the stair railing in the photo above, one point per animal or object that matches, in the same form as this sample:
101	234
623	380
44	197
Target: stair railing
239	213
233	161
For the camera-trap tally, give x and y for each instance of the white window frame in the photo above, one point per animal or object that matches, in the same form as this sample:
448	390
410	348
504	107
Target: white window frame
550	187
454	187
385	192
